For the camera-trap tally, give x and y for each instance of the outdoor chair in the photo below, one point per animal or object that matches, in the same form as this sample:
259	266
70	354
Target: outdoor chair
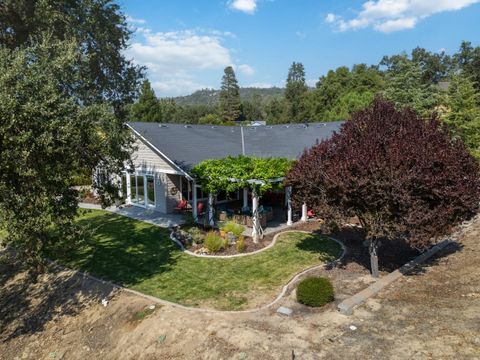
182	206
200	209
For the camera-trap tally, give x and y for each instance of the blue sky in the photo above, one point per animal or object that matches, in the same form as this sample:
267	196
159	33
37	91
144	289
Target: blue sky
185	44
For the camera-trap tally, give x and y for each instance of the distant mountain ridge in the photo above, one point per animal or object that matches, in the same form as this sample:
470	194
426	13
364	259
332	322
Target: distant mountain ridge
211	96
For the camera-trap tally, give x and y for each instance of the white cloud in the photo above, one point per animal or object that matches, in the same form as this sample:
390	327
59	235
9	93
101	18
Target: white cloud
394	15
133	20
180	50
311	82
175	85
246	69
246	6
260	85
330	18
174	60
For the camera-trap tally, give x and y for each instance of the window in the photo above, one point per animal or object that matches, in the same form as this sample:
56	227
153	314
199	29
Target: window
133	189
186	189
140	189
150	190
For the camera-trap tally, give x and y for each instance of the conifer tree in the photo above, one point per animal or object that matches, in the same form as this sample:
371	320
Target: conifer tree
294	91
230	103
148	107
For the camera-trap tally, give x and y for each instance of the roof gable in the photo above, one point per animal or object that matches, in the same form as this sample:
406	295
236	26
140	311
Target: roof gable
188	145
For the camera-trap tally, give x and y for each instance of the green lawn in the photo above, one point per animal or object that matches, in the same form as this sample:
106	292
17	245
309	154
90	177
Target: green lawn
142	257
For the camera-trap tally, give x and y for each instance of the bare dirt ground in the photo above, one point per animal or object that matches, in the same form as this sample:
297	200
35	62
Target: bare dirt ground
432	314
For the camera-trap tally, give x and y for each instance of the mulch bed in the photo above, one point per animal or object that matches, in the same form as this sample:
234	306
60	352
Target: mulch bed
250	246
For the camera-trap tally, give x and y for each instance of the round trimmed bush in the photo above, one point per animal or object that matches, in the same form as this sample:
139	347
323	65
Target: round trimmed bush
315	291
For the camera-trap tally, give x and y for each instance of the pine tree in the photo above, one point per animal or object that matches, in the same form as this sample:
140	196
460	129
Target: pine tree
294	91
406	88
148	107
463	102
230	103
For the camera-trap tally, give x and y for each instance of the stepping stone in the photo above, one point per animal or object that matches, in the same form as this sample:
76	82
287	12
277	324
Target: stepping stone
285	311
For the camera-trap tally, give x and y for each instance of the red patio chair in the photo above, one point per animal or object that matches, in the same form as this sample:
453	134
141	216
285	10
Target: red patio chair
200	208
182	206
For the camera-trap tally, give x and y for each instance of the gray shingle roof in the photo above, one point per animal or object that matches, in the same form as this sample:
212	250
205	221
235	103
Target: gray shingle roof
188	145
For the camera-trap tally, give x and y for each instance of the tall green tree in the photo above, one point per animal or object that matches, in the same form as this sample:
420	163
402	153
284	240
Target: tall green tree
467	60
148	107
463	116
294	91
342	92
230	102
101	33
65	86
46	138
405	87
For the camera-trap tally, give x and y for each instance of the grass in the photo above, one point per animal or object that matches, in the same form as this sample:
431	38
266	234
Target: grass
142	257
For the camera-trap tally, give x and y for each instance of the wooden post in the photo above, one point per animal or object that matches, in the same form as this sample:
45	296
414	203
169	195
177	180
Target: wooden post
211	215
245	199
128	200
304	212
194	202
288	193
255	219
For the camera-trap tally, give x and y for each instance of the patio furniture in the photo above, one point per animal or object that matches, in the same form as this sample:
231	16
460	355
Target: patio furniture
182	206
200	208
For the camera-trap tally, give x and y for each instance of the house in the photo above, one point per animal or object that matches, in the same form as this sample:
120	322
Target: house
167	152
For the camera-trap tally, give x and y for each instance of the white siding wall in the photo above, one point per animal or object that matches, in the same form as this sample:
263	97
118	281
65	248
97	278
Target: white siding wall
167	186
161	192
174	195
146	158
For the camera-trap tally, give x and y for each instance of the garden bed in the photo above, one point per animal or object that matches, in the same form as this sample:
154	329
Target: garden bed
250	247
228	240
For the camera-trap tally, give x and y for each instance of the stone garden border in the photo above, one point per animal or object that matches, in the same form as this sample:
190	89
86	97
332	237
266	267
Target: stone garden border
285	288
269	246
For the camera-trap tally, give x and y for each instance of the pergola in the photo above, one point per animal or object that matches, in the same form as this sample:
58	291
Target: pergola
256	175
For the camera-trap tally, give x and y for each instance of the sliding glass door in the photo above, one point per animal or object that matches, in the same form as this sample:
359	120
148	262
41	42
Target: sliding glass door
133	189
142	190
150	181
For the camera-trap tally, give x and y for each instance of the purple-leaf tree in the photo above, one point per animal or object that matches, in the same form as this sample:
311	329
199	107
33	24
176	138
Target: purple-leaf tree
402	176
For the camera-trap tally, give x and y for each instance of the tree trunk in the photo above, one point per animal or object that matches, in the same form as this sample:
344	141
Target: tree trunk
373	249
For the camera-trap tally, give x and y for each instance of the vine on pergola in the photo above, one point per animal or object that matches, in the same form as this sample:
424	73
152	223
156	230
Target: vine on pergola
235	173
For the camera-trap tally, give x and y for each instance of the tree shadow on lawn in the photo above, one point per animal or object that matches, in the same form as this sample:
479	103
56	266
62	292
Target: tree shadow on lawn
326	249
123	250
115	248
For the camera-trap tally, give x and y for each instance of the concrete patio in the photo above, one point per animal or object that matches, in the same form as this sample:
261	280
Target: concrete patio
147	215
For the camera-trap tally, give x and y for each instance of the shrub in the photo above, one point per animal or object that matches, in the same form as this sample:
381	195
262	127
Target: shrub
234	228
315	291
214	242
240	244
197	235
